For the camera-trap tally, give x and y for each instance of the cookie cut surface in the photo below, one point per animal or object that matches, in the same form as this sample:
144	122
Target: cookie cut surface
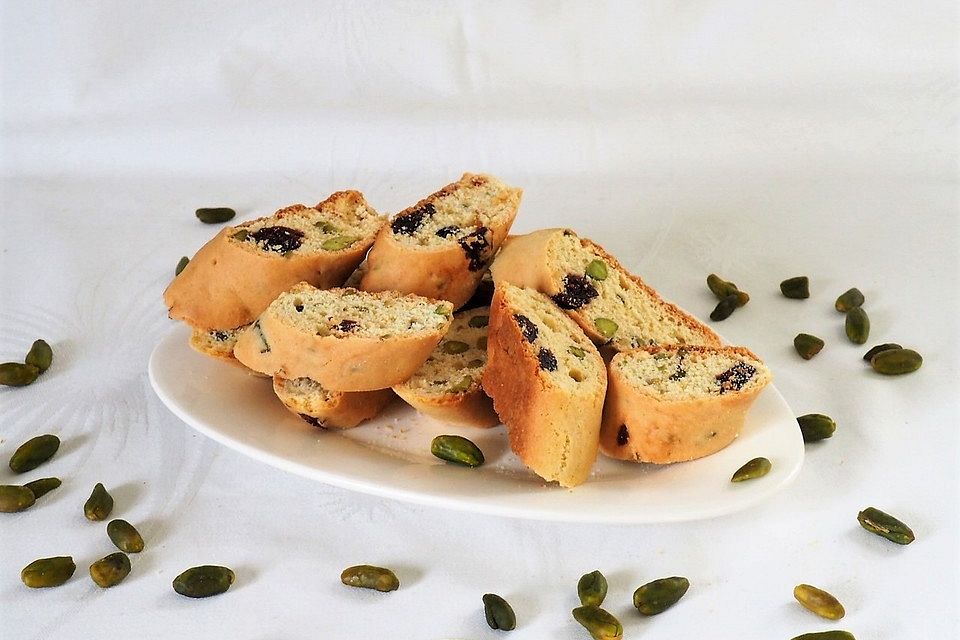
671	404
344	339
233	277
329	409
447	386
441	246
547	381
612	306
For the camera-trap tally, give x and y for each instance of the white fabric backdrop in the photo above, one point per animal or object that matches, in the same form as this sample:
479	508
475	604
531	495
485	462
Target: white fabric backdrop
757	140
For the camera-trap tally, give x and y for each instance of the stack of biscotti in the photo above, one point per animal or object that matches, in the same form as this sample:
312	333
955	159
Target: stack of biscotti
441	247
573	353
231	281
233	277
651	414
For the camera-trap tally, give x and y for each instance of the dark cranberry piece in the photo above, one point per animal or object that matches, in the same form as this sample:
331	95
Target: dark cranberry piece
347	326
527	327
735	377
408	223
577	291
448	231
298	307
623	436
279	239
311	420
681	372
548	361
220	336
476	245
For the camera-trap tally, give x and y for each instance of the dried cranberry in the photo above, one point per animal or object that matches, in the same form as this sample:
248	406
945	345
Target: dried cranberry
577	291
347	326
476	245
735	377
311	420
278	239
623	436
448	231
408	223
527	327
681	372
548	361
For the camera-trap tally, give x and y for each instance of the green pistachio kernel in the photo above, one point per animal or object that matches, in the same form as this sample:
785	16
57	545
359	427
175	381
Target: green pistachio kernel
457	449
338	242
606	327
454	347
756	468
597	270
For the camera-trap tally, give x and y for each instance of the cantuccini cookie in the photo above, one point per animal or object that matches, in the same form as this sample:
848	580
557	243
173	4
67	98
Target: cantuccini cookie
233	277
547	381
441	246
612	306
671	404
344	339
329	409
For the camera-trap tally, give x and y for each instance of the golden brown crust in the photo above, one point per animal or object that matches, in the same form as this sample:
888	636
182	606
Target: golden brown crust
434	272
441	272
472	408
340	410
228	284
553	433
641	427
338	363
710	338
525	262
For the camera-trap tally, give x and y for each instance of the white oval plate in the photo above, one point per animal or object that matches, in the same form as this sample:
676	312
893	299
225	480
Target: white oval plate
390	456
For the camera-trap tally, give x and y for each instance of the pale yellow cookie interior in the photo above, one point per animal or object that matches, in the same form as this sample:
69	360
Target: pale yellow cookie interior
555	337
349	312
682	374
456	364
457	211
335	224
641	317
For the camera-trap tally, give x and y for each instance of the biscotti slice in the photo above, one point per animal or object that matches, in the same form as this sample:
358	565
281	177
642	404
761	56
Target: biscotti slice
670	404
547	381
613	307
217	343
233	278
344	339
447	386
329	409
440	247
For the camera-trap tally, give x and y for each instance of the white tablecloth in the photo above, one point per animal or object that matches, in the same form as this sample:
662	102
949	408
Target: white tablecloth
757	140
